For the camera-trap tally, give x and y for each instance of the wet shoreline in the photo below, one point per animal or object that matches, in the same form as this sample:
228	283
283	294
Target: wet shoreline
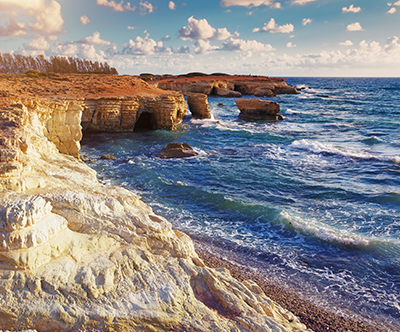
314	317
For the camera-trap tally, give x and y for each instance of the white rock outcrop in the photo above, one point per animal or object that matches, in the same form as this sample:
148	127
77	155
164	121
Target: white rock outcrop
75	254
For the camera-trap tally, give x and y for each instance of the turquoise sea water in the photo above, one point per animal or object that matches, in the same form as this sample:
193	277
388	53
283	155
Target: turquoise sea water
314	199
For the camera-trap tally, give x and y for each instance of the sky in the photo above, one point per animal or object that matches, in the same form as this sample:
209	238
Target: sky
333	38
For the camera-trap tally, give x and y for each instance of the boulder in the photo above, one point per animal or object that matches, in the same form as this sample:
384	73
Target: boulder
108	156
199	106
258	109
222	92
177	150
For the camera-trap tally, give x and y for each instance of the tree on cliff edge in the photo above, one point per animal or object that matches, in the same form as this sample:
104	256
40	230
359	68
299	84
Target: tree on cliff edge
13	64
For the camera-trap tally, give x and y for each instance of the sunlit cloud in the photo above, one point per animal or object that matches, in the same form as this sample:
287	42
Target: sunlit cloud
201	29
351	9
301	2
85	20
117	7
272	27
13	28
94	40
346	43
306	21
146	8
354	27
250	3
171	5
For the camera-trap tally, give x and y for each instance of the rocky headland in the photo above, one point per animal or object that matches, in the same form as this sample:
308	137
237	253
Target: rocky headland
224	85
75	254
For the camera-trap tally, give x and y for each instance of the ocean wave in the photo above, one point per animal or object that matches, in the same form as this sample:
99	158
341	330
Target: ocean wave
324	148
323	231
372	140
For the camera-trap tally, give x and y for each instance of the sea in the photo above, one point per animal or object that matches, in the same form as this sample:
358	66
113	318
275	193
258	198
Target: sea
312	201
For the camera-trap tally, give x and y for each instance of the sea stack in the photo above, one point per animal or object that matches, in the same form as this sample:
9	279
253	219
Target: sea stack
258	109
199	106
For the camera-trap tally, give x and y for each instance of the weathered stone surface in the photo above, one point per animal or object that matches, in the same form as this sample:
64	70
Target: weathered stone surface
199	106
222	92
122	114
258	109
245	85
260	92
76	254
177	150
108	156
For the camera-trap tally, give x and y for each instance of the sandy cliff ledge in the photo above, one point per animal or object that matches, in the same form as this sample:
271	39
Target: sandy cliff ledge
78	254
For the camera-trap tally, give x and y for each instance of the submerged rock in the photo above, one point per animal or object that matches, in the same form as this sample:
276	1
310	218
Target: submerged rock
108	157
177	150
258	109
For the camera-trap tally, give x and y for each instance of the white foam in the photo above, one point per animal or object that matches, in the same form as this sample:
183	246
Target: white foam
318	147
323	231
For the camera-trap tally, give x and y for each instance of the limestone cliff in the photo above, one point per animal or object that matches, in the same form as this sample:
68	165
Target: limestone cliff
75	254
226	86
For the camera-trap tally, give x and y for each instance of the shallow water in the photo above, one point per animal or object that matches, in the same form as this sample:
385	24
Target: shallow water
315	199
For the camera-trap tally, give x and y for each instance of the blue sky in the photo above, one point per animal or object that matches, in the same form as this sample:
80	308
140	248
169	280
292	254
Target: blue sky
264	37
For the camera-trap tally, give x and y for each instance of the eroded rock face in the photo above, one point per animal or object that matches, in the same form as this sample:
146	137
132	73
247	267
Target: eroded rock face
199	106
237	85
258	109
122	114
76	254
177	150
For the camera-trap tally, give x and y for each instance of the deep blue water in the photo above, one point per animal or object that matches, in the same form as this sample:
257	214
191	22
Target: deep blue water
314	198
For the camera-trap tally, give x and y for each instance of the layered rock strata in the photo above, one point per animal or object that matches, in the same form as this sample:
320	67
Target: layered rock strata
199	106
227	86
75	254
124	113
258	109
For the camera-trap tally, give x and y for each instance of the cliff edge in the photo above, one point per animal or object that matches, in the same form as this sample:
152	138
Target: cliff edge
75	254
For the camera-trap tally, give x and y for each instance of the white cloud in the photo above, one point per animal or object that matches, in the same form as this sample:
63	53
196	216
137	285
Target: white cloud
354	27
65	49
200	29
143	46
35	47
171	5
250	3
240	45
146	8
351	9
129	27
183	50
301	2
89	52
166	37
117	7
290	44
94	40
272	27
23	4
392	46
13	28
392	10
49	20
397	3
204	47
346	43
306	21
85	20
